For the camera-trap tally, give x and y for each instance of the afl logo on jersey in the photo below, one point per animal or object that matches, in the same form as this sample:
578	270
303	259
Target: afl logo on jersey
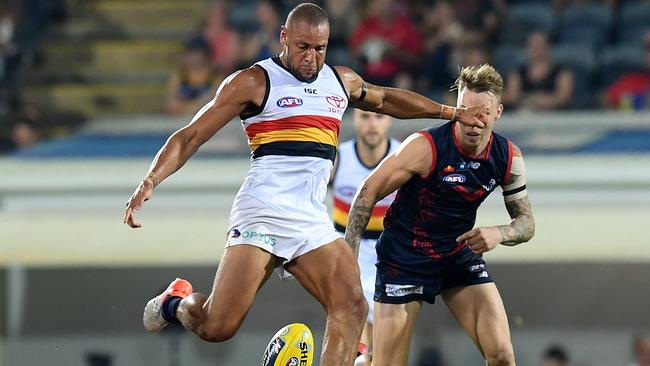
336	101
454	178
289	102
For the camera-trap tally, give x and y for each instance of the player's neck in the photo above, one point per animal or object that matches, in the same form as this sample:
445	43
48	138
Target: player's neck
370	156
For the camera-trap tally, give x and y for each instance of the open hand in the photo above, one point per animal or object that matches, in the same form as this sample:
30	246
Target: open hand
471	116
141	194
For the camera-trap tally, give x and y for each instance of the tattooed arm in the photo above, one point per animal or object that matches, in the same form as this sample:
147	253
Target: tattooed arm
522	227
413	157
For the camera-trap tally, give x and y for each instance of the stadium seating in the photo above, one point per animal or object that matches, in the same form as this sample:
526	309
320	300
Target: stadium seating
617	60
525	18
586	25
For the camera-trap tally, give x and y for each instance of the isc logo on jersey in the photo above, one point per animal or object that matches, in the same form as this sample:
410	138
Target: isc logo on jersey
292	345
289	102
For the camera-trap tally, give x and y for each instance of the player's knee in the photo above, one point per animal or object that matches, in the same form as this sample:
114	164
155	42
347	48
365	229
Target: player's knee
358	307
502	356
351	308
217	332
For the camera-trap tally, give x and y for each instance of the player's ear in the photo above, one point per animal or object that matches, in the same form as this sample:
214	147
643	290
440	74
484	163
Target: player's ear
499	110
283	36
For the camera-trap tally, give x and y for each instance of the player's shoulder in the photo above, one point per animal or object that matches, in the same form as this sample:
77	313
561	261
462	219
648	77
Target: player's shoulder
507	143
245	85
516	151
251	76
348	76
417	142
344	71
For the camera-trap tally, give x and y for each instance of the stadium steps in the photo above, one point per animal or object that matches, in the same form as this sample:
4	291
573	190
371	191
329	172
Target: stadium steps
102	99
147	28
109	19
106	60
113	56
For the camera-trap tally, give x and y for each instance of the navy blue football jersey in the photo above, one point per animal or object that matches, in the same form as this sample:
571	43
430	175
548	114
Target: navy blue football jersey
429	213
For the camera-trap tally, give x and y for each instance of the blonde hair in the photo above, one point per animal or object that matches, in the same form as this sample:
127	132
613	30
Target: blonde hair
479	79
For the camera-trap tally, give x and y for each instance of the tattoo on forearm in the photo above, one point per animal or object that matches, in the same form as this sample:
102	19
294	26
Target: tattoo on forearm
522	226
358	219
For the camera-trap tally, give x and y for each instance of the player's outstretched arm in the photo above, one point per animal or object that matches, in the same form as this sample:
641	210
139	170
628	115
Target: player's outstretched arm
241	91
401	103
413	157
522	227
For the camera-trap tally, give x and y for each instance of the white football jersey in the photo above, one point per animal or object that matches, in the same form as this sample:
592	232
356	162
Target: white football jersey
350	174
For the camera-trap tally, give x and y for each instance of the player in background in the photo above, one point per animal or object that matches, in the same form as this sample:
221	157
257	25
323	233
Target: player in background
355	160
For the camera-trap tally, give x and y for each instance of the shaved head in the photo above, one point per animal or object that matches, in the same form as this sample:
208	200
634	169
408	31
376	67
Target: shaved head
304	39
309	13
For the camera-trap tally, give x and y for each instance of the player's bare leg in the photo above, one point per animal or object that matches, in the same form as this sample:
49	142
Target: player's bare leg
366	342
393	326
479	309
331	274
366	334
218	317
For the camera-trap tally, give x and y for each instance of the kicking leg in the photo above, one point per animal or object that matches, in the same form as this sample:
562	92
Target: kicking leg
393	326
331	274
243	269
480	311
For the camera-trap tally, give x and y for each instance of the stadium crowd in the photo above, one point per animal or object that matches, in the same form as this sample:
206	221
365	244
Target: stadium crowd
555	55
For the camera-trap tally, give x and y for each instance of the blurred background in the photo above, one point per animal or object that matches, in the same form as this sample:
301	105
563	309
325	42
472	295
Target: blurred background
90	90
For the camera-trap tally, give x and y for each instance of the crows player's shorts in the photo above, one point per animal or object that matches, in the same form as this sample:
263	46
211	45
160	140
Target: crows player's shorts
401	283
281	207
255	223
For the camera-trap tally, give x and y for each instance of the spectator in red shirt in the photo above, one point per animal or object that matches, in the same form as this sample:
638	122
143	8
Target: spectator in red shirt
631	90
223	40
386	42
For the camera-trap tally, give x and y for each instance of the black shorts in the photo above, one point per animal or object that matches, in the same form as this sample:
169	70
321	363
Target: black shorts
397	284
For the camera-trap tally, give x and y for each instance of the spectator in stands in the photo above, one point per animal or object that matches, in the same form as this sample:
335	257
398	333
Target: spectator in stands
195	80
631	90
641	350
386	43
7	26
9	59
264	42
444	35
480	18
555	355
344	16
222	39
539	84
24	133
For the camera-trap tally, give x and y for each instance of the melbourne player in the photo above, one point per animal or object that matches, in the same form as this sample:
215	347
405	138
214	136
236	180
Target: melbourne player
355	160
291	107
429	246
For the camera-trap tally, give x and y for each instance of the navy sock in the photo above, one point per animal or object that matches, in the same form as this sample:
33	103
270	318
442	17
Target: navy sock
169	307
